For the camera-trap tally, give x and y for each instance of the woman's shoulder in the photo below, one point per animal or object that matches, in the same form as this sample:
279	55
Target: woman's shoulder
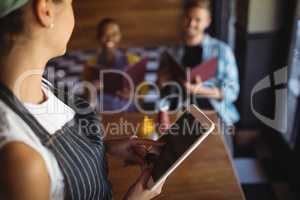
13	150
20	162
23	165
13	128
18	154
16	136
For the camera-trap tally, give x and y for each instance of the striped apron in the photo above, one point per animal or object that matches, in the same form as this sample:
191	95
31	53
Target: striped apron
78	147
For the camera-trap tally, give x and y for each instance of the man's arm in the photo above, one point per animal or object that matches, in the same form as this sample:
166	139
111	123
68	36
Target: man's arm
207	92
230	85
226	89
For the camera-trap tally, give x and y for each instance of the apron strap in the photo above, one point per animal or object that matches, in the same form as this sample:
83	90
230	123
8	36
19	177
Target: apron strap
14	104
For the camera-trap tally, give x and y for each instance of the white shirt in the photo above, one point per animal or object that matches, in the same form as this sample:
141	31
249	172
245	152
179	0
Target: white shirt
52	115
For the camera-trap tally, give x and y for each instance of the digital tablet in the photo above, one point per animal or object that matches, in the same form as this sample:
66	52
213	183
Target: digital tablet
181	139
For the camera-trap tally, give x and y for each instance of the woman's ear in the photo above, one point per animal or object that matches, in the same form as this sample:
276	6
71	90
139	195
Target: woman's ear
44	12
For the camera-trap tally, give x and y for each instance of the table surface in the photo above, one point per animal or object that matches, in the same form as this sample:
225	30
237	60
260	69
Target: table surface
207	174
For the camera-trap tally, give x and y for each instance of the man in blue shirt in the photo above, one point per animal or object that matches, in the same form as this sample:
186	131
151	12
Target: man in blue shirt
222	91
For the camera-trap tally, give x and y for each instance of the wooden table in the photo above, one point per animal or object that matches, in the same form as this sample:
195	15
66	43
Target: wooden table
208	174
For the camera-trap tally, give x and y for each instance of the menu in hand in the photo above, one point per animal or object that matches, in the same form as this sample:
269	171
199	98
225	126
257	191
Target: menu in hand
116	81
206	70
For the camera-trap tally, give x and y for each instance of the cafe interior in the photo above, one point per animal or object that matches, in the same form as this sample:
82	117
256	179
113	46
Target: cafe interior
252	155
260	162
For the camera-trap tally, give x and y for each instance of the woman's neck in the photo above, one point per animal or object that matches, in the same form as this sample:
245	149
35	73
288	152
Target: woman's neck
22	73
109	56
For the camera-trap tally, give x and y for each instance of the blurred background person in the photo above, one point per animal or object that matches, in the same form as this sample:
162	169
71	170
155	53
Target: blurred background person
109	56
220	92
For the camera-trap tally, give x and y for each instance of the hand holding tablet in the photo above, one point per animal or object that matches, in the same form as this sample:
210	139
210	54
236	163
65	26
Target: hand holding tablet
181	139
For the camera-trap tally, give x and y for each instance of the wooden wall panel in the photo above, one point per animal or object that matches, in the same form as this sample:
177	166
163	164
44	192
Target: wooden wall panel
143	22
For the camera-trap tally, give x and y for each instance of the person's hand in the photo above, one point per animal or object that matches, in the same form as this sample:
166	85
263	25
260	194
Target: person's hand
163	76
205	92
195	88
140	191
131	150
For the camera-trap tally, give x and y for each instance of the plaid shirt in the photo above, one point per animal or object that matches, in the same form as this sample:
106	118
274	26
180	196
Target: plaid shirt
227	77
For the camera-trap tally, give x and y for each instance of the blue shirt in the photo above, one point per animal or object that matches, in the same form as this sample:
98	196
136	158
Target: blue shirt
226	79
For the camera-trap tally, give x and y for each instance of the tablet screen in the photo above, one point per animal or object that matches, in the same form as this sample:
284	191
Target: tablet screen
178	139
